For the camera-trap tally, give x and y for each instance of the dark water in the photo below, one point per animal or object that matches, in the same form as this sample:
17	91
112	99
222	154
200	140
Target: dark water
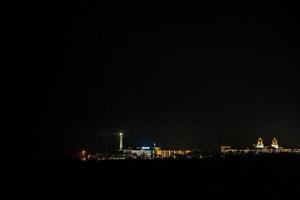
262	177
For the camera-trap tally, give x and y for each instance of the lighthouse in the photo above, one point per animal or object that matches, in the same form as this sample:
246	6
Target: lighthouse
121	141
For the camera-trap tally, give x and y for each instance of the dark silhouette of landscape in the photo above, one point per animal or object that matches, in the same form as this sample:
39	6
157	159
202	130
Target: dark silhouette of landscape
242	176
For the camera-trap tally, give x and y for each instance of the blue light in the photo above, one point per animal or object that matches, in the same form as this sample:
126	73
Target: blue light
145	148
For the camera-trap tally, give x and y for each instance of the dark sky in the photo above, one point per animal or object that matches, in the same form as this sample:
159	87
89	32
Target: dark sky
76	74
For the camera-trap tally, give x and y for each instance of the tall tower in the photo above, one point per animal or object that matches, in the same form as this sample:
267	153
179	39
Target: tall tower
274	143
121	141
260	143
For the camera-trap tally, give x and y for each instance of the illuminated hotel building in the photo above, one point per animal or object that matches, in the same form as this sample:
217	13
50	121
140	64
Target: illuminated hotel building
274	143
260	148
260	143
150	152
160	153
145	152
155	152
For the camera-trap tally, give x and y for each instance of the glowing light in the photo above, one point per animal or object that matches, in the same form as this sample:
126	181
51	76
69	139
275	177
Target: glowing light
121	141
259	143
274	143
83	155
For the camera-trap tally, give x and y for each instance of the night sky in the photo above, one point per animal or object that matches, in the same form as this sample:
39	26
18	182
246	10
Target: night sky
77	74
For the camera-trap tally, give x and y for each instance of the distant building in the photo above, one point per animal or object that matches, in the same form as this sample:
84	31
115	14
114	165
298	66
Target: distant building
156	152
160	153
142	152
274	143
149	152
259	143
225	148
260	148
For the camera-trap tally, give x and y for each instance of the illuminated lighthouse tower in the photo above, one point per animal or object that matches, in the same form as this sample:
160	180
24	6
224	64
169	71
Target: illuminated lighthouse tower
274	143
260	143
121	141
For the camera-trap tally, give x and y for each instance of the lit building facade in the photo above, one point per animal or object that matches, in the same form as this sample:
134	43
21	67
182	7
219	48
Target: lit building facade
260	148
260	143
160	153
274	143
156	152
149	152
144	152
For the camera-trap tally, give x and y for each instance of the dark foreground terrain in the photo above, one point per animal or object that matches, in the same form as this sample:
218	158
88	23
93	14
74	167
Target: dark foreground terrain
243	177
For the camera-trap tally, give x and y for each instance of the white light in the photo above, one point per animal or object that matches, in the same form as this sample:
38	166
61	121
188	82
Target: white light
121	141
